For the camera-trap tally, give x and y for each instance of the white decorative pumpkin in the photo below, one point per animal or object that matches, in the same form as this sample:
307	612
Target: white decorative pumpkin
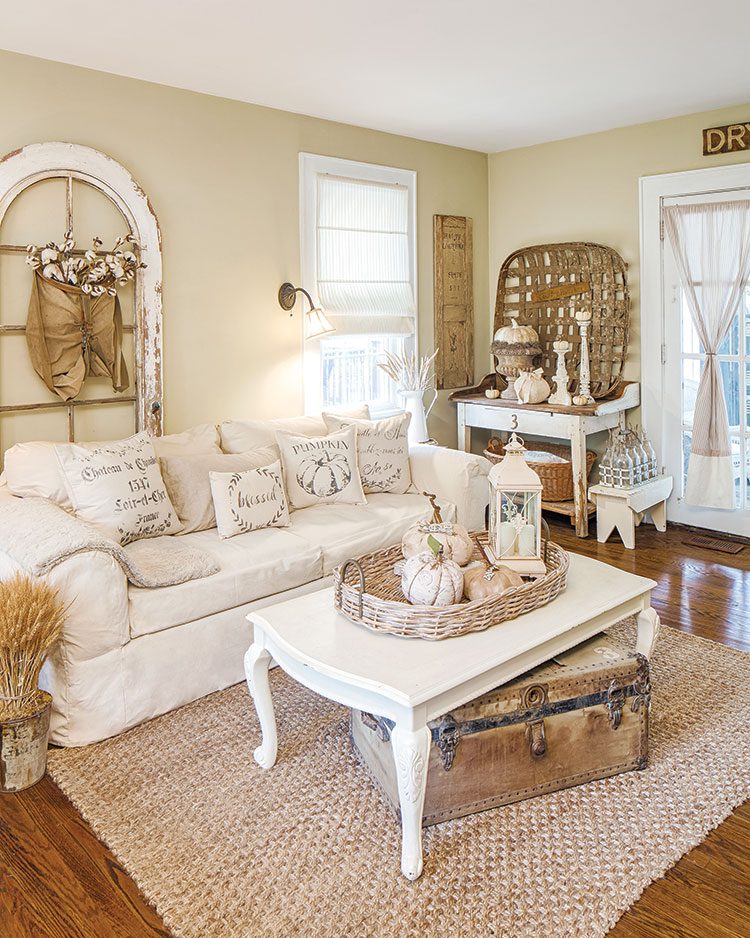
454	538
514	334
428	579
531	388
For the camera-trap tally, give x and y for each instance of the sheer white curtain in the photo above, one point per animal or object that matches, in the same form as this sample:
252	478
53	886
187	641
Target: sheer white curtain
711	245
364	267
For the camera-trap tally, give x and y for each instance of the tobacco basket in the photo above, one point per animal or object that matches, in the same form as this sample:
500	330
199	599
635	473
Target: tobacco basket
368	592
542	286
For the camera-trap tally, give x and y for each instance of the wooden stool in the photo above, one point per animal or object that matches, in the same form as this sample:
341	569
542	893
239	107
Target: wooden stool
624	508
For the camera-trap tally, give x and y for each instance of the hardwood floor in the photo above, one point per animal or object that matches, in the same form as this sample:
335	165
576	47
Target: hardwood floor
56	879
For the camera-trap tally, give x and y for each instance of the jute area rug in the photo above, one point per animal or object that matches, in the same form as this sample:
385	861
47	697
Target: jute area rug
223	848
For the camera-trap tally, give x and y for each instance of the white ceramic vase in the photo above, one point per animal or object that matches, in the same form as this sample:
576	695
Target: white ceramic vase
414	405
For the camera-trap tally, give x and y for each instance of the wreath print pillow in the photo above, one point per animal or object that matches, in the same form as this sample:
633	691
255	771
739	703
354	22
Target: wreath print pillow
321	470
248	500
382	451
119	486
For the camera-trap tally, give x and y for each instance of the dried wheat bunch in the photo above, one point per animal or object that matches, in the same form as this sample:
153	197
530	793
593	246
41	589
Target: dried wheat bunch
31	621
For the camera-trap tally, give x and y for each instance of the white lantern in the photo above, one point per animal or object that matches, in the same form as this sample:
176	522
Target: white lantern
516	512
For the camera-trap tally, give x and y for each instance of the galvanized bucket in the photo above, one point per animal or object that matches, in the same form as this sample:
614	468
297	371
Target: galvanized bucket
23	747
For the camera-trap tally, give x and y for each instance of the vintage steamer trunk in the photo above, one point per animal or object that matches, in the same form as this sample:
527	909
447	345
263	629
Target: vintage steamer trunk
558	725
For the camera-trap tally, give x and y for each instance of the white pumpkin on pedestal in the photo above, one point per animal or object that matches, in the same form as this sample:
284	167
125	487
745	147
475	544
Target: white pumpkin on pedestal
454	538
429	579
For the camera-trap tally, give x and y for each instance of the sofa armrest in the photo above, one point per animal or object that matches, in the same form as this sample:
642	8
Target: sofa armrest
454	476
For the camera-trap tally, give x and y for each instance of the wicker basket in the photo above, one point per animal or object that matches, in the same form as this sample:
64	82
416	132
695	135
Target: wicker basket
368	592
557	477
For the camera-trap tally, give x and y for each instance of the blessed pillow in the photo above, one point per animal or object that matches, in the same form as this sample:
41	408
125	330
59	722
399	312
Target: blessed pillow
119	486
321	469
189	488
382	451
248	500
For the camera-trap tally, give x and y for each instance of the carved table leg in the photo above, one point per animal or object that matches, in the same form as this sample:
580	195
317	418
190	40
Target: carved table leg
411	749
257	660
648	630
580	483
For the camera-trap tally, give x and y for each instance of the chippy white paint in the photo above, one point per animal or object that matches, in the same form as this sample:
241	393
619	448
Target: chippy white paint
21	169
412	682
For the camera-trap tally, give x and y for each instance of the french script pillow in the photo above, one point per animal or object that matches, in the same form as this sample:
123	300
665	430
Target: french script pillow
321	469
189	488
248	500
382	451
119	486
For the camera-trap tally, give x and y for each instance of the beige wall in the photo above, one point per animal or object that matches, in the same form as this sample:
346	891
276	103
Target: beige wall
586	189
223	179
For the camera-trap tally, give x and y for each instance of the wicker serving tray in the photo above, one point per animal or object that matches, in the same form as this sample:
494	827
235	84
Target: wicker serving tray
379	604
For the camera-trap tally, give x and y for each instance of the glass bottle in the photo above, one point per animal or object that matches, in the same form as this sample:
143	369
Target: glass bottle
651	455
622	466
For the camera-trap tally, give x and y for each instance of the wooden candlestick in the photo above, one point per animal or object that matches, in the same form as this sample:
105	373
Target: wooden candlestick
561	394
583	317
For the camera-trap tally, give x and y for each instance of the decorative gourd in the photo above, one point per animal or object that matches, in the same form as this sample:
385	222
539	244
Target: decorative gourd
531	388
457	545
324	474
514	334
429	579
482	582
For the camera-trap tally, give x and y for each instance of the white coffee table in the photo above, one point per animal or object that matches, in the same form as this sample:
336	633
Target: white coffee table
411	681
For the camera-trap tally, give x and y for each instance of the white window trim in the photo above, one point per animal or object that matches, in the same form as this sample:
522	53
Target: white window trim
310	165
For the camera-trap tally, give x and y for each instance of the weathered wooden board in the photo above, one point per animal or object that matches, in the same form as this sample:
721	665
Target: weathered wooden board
454	301
727	139
560	292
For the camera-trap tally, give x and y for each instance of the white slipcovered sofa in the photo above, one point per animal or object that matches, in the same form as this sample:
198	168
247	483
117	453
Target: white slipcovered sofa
129	654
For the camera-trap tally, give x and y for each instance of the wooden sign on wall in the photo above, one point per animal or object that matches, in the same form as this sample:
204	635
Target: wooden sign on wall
727	139
454	301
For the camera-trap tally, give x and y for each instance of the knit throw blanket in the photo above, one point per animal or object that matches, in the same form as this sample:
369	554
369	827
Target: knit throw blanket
39	535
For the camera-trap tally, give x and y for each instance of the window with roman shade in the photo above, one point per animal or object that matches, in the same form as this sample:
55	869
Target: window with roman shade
364	263
358	256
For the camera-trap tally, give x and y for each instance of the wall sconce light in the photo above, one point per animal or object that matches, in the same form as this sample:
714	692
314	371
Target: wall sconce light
316	324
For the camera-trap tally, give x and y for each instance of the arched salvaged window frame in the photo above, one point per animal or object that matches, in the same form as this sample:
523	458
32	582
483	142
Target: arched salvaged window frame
22	169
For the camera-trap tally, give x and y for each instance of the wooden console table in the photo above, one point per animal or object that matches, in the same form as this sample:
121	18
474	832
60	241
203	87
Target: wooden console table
573	424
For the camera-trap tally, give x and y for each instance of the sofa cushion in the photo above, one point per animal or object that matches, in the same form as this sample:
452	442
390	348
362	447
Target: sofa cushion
253	565
187	481
344	531
33	468
241	436
382	451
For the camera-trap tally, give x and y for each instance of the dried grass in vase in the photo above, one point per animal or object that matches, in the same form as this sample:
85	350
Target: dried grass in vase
409	372
31	621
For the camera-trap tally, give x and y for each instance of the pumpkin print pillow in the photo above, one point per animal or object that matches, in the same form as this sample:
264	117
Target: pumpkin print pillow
321	470
382	451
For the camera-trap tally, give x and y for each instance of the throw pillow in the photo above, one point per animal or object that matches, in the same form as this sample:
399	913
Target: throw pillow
189	488
248	500
382	451
119	486
321	469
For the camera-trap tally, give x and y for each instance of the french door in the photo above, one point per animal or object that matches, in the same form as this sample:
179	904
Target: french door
683	359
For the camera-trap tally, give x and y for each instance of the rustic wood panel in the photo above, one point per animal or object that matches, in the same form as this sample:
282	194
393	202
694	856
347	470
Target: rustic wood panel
730	138
454	301
704	894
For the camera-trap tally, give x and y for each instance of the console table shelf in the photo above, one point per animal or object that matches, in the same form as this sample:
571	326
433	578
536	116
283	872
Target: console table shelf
573	424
